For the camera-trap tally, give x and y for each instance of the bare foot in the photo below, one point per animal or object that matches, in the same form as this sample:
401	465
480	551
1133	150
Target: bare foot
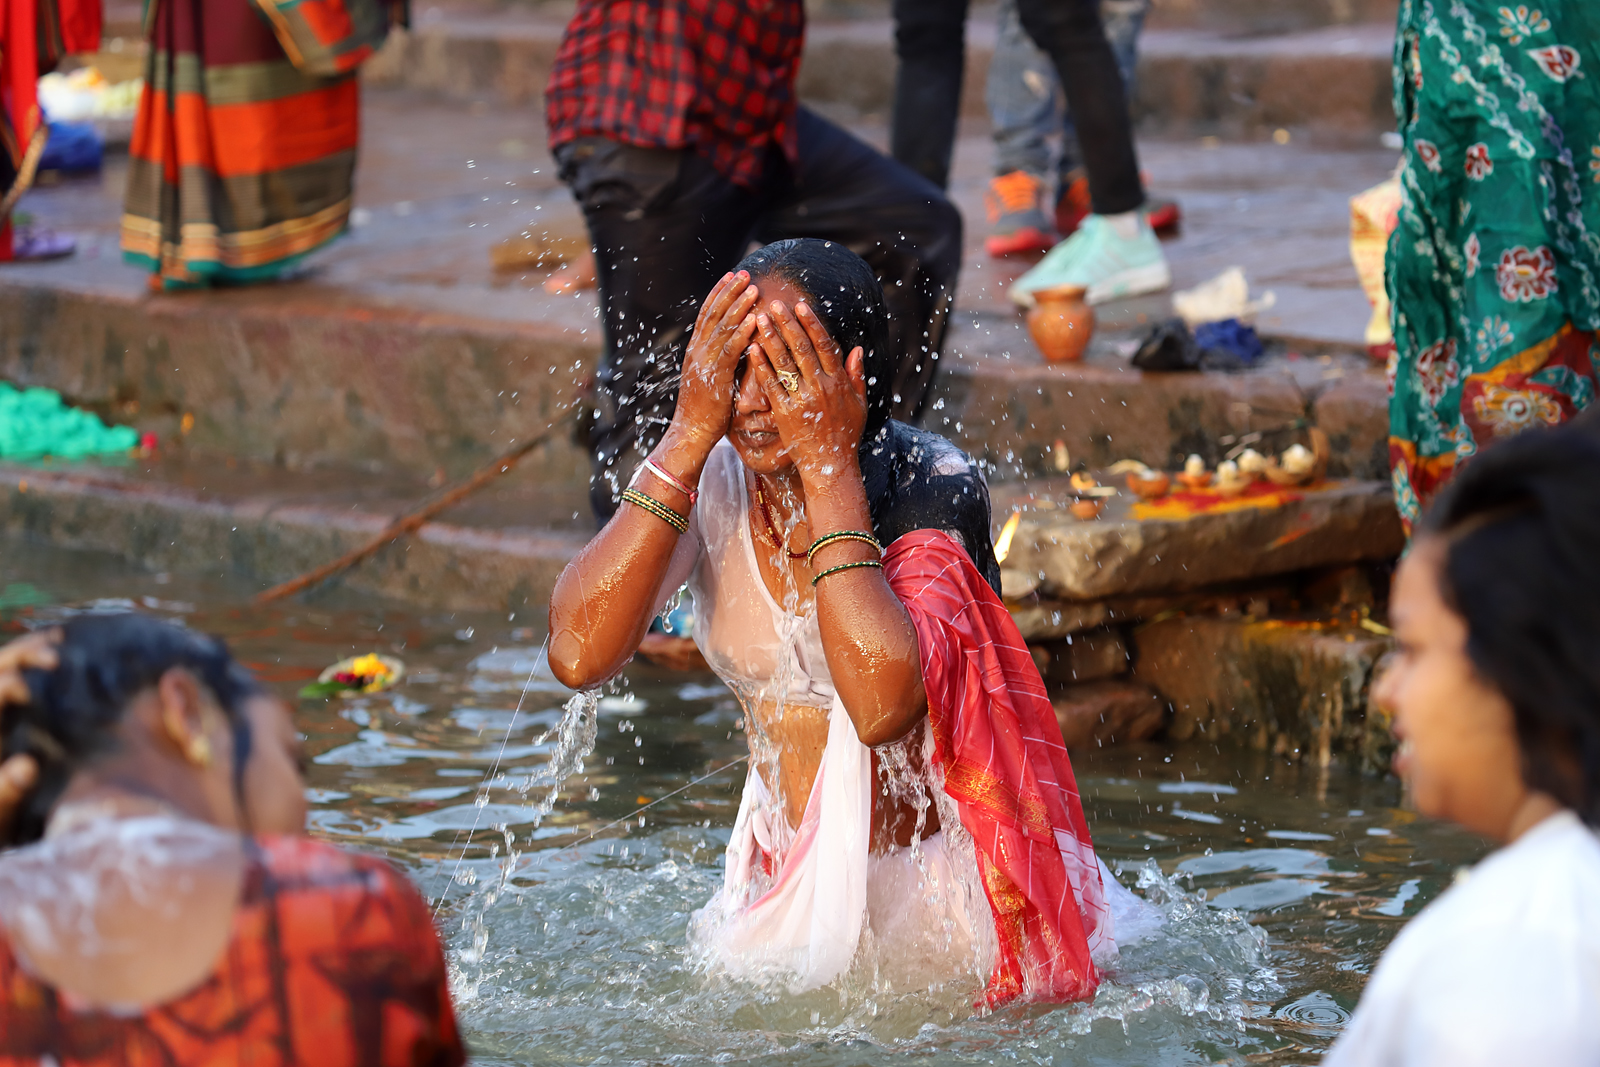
673	653
579	274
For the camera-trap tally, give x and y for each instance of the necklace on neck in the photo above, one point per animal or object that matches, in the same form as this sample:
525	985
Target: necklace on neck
772	527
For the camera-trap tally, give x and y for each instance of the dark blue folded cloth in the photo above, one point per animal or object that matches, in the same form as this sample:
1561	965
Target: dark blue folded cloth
1230	336
73	147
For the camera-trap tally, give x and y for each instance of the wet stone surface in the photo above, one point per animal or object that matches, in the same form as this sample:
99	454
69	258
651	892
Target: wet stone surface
1120	555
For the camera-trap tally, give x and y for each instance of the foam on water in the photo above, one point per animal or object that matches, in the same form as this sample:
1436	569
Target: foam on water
589	964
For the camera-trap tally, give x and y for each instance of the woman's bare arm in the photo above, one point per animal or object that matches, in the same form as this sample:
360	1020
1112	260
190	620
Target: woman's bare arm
604	599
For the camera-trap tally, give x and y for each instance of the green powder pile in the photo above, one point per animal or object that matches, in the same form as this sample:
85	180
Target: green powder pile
35	423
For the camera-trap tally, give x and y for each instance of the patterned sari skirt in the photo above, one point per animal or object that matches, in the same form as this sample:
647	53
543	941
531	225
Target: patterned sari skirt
1494	268
241	163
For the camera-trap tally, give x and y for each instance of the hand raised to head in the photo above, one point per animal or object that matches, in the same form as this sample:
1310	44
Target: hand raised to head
18	773
722	331
818	396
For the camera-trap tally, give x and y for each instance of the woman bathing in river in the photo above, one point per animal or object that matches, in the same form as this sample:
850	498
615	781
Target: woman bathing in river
906	762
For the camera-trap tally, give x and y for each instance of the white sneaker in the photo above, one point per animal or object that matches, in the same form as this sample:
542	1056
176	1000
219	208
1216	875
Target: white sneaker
1102	261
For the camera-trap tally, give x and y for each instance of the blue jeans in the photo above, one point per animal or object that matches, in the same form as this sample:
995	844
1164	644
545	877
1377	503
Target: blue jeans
1022	92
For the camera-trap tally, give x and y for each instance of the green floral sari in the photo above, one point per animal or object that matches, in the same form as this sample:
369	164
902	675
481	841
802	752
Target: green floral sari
1494	268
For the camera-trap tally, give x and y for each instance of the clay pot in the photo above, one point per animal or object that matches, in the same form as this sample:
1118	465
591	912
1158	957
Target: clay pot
1149	488
1087	509
1061	323
1195	481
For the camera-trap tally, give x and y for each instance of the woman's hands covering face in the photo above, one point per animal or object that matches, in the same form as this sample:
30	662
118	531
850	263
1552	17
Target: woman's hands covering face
817	396
18	773
721	333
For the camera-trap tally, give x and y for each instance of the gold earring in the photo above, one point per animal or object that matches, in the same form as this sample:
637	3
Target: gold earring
200	752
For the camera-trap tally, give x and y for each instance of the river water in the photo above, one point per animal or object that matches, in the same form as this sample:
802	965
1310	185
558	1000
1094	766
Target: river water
565	913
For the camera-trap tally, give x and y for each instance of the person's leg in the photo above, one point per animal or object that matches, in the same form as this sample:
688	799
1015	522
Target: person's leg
1115	253
1123	20
664	225
1071	32
930	43
842	190
1021	97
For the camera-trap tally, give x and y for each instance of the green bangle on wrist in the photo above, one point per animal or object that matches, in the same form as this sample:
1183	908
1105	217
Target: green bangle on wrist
847	567
842	535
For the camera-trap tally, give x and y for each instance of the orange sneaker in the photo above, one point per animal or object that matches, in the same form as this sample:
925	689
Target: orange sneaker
1014	203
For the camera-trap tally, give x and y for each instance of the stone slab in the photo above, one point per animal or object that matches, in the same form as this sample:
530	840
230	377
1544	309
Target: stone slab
1297	689
171	529
1117	555
1043	621
1108	712
1084	657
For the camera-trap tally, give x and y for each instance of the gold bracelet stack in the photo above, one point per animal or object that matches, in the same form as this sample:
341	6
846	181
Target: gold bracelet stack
842	535
656	508
878	563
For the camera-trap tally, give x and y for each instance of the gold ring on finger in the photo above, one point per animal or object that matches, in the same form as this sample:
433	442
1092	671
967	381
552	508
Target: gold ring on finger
790	380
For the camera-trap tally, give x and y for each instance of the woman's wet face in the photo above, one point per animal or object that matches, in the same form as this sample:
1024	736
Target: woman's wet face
272	786
1459	753
753	434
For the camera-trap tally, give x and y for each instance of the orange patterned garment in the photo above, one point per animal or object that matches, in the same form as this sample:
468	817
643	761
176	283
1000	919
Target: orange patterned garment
333	962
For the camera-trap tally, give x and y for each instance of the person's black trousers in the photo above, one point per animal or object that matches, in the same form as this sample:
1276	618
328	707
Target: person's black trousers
930	40
666	225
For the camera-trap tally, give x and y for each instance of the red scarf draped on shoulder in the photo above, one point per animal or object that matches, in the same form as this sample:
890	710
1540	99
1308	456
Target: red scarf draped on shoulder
999	746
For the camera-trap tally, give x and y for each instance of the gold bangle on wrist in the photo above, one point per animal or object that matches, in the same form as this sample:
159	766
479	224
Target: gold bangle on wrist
656	508
842	535
848	567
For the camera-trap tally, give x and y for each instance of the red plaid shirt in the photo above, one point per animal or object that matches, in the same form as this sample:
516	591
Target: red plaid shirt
713	75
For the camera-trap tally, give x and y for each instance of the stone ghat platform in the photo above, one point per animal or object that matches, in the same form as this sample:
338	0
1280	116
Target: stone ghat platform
1251	617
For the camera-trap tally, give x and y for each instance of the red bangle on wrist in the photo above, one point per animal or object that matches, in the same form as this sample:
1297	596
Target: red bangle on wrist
677	483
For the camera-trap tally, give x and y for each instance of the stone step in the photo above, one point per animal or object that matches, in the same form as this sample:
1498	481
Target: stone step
1194	77
279	376
271	533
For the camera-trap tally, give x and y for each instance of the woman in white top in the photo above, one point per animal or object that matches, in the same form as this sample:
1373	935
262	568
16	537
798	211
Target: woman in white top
910	798
1496	698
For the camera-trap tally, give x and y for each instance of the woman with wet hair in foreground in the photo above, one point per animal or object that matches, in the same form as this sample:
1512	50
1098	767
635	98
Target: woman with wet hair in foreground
1496	702
159	903
910	808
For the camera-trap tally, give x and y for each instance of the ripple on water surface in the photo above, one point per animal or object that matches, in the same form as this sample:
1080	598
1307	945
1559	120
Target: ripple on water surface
1281	886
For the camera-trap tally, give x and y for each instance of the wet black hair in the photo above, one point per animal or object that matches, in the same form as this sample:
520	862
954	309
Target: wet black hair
1520	525
104	661
846	296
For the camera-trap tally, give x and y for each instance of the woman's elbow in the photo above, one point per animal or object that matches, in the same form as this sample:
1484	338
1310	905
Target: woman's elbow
571	659
892	724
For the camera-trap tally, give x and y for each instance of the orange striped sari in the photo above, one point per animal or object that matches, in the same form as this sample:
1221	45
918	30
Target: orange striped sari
241	163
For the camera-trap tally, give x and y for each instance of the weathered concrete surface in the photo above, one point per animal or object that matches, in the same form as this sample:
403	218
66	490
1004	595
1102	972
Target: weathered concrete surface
1343	522
1084	657
175	529
1107	712
1043	620
1297	689
300	381
1204	77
